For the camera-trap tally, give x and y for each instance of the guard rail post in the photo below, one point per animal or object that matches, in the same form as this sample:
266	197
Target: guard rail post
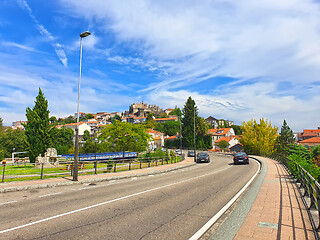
115	166
95	167
129	165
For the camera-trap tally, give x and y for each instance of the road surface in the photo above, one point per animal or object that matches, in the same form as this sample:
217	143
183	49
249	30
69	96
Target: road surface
172	205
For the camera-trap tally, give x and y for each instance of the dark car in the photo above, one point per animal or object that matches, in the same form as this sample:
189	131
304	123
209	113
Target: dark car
203	157
190	153
240	157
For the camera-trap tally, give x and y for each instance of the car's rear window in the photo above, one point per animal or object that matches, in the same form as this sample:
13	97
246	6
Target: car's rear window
242	154
202	154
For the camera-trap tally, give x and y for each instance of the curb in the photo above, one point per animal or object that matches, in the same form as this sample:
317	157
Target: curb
93	180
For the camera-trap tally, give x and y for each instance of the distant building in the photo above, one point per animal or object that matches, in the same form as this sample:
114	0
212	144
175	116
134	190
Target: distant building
158	139
82	128
215	123
18	125
308	133
212	121
143	109
168	110
222	133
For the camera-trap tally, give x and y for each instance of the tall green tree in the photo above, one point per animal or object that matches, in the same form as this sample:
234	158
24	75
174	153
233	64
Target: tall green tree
124	136
37	128
188	121
258	138
190	117
285	138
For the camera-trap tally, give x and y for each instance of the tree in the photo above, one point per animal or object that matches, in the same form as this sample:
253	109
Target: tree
222	144
285	138
86	135
163	115
237	129
37	129
171	128
116	117
258	138
176	112
150	116
53	119
190	113
124	136
10	139
89	116
62	139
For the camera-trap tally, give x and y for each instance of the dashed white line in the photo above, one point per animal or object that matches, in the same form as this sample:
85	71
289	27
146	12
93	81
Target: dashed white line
107	202
50	194
8	202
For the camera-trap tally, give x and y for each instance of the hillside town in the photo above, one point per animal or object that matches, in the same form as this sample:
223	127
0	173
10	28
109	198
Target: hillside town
220	129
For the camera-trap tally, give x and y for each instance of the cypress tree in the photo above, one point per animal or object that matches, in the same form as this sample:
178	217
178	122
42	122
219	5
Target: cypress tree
188	122
37	128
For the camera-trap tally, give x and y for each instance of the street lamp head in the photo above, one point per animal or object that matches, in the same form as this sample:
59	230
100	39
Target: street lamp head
85	34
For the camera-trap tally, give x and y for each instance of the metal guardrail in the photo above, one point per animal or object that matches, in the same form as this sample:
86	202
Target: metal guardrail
310	186
65	168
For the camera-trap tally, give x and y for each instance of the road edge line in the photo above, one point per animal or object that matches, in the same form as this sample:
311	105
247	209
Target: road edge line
213	220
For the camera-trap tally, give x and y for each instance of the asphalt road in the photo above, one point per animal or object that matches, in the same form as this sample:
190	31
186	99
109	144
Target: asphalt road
171	205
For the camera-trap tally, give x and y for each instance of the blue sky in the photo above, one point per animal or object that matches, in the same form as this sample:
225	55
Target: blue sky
238	59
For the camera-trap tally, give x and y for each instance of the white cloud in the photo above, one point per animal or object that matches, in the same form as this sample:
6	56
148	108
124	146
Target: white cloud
262	45
43	31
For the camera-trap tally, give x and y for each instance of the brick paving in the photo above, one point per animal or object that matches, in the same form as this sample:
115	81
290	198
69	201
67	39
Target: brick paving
278	211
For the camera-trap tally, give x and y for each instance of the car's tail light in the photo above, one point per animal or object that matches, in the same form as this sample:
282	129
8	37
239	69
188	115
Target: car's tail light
235	158
246	157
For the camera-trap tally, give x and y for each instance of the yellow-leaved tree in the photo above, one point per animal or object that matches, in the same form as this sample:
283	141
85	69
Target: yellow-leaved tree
258	138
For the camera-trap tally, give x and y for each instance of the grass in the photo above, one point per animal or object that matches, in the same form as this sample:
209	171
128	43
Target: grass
22	171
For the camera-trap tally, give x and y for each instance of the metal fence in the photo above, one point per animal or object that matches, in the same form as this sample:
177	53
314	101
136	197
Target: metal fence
30	171
309	189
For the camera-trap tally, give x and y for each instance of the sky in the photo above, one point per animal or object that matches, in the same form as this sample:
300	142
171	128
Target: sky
239	60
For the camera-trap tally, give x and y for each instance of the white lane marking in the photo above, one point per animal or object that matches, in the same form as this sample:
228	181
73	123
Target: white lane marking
50	194
205	228
151	175
134	178
8	202
107	202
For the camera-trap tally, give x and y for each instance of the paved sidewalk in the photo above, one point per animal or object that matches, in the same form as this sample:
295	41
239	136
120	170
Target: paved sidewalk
52	182
278	211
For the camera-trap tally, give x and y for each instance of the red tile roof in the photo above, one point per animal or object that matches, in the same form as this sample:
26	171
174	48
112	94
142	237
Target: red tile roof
219	131
227	139
153	131
311	140
170	137
166	119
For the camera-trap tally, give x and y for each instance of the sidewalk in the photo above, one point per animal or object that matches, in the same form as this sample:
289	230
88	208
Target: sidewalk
278	211
52	182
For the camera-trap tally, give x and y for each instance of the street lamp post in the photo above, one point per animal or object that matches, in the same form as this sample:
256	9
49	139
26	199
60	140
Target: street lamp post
180	134
76	148
194	133
95	155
